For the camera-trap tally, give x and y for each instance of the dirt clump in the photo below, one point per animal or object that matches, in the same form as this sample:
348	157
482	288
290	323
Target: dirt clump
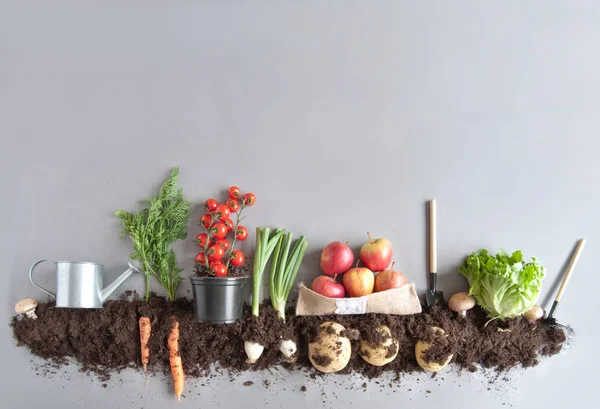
105	341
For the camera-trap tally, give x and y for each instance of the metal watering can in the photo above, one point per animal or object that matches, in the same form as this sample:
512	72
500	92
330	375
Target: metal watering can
79	284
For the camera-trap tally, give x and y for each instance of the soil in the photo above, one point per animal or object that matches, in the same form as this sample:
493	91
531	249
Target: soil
105	341
200	270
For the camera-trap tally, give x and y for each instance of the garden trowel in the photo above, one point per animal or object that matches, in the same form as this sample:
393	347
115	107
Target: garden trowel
550	319
432	295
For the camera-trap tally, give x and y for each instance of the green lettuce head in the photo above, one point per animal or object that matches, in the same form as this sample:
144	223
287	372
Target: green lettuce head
503	285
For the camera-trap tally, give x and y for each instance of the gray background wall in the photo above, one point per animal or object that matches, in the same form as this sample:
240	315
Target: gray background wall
342	117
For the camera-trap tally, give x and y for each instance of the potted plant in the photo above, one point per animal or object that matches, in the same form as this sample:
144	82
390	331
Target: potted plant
218	282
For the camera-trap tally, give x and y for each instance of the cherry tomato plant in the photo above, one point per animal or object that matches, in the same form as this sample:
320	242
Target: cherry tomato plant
217	252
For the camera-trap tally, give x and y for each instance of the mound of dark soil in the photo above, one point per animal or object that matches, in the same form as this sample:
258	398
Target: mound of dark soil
108	340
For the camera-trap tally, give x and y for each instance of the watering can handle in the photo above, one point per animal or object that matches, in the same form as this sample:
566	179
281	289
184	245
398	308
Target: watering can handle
31	277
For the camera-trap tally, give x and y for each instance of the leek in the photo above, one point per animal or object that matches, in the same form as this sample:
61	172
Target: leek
284	269
264	248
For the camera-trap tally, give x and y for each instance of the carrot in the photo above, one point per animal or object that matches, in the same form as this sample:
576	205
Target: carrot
145	331
175	358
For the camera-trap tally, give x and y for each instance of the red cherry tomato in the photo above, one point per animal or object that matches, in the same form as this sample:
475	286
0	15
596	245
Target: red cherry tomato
202	239
219	230
201	258
215	252
223	212
206	220
219	270
237	258
229	224
241	233
233	205
234	192
211	205
223	243
249	199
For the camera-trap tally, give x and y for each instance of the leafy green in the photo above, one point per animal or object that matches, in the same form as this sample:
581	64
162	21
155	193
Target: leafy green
153	230
503	284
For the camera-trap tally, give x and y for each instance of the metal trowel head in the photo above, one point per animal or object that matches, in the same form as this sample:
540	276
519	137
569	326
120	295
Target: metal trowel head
433	297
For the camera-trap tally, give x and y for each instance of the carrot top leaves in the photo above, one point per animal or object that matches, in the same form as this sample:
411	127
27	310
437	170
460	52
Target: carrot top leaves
153	230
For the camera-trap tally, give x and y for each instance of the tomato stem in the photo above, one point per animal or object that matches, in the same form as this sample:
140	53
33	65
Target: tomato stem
208	238
238	219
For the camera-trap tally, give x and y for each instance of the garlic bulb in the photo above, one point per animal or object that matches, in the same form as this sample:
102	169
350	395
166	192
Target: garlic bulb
288	349
253	350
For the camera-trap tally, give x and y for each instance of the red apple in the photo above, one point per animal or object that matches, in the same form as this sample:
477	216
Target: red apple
336	258
389	279
377	254
358	281
328	287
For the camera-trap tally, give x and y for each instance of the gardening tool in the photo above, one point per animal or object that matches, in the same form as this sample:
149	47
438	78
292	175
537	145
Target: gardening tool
432	295
79	283
550	319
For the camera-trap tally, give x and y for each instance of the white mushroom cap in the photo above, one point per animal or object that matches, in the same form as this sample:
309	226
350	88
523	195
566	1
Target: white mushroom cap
461	301
535	313
26	305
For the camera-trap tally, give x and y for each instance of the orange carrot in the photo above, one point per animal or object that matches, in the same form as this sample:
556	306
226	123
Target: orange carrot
145	331
175	358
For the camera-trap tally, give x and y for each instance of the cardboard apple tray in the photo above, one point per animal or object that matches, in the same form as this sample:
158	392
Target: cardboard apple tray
397	301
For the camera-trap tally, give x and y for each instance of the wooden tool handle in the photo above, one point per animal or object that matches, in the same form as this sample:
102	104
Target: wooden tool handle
570	269
432	238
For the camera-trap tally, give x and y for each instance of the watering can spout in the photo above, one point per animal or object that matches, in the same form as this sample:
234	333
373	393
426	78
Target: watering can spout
112	287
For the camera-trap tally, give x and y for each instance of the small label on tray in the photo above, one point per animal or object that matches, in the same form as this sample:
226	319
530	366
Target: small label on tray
349	306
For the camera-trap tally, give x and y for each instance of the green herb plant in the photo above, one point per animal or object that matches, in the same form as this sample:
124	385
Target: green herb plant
153	230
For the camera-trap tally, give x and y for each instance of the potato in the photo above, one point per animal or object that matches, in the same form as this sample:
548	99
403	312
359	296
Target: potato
421	347
330	351
378	356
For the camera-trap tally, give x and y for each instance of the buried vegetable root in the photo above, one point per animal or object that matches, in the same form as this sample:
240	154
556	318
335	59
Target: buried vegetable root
284	269
265	246
145	331
175	358
382	351
331	350
422	350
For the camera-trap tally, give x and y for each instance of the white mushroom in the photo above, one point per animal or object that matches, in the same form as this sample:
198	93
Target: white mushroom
461	303
535	313
27	306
